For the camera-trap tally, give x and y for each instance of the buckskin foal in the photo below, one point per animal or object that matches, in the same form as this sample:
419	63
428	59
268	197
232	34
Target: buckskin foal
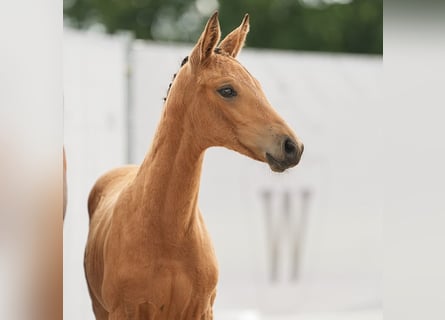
149	255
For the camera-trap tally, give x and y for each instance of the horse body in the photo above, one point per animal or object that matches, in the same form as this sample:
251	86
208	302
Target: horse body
155	253
149	255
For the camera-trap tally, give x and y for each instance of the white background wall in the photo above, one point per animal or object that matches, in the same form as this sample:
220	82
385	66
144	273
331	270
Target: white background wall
95	140
332	102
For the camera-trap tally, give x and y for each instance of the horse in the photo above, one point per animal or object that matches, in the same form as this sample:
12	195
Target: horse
148	253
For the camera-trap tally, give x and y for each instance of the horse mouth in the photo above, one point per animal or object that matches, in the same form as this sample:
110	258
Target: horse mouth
277	165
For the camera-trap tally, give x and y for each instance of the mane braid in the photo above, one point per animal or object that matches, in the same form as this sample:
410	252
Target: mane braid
184	61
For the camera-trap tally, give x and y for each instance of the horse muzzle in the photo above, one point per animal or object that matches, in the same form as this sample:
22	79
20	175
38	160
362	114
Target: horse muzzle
291	155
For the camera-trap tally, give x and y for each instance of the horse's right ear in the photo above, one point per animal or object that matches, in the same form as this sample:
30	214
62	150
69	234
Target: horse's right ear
207	42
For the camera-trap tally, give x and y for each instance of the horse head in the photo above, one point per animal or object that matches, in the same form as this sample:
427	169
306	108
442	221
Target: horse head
226	105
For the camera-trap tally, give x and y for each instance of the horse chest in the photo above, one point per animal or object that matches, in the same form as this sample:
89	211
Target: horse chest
173	278
190	267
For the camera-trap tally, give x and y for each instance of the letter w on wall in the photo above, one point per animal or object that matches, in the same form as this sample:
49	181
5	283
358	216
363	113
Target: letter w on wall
286	220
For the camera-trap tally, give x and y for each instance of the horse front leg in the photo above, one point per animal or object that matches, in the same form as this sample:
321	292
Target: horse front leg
119	314
208	315
141	311
99	312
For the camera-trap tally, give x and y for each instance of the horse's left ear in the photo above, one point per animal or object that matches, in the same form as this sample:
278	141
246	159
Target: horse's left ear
207	42
233	43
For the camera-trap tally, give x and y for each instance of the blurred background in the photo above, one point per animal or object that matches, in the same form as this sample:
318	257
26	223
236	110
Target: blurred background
305	244
354	26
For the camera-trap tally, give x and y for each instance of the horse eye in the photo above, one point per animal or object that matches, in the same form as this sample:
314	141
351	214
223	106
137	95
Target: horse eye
227	92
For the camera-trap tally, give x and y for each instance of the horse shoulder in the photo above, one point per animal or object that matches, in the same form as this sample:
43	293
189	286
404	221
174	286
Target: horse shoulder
109	185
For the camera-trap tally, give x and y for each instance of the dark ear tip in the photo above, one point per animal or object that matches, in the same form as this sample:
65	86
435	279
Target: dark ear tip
245	23
213	20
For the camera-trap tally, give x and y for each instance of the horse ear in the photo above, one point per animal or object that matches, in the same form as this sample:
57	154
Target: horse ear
233	43
207	41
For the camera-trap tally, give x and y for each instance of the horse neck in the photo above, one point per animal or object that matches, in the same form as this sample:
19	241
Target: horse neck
169	177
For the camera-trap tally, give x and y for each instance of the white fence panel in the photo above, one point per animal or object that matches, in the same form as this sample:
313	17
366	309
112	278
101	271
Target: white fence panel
95	141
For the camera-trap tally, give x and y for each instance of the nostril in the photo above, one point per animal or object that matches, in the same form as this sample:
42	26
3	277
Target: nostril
289	147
